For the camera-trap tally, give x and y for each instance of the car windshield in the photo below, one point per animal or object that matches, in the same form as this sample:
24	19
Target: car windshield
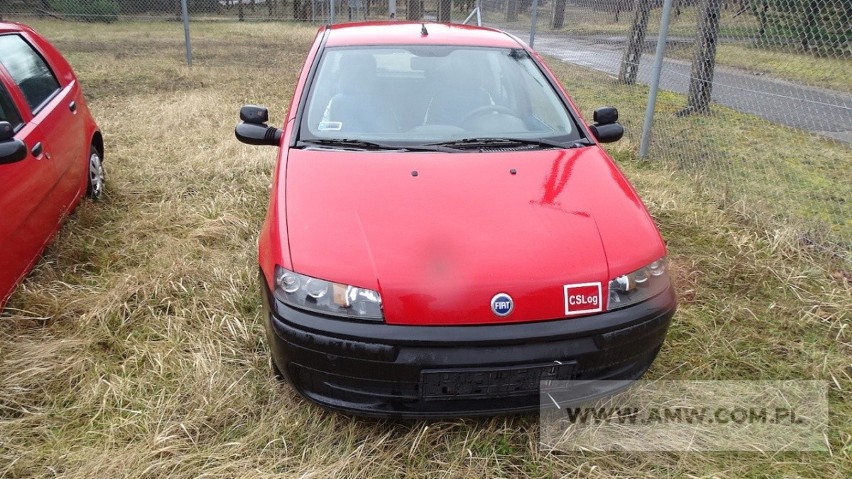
419	95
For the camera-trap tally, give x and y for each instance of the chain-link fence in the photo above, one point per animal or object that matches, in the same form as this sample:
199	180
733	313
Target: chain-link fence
322	11
755	99
755	96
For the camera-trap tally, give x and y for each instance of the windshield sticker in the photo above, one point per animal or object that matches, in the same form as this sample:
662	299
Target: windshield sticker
330	126
583	298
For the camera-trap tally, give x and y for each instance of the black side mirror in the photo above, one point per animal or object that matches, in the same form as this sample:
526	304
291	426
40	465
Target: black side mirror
11	150
606	129
253	130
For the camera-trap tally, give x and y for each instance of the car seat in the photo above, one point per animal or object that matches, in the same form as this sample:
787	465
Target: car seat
359	107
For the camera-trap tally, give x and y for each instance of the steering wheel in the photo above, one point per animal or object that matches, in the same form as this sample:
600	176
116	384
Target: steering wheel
483	110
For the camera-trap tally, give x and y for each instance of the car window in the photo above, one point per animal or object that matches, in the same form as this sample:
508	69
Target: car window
29	70
541	105
423	94
8	112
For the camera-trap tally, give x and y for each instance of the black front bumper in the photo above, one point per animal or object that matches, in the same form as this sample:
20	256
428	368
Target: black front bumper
378	369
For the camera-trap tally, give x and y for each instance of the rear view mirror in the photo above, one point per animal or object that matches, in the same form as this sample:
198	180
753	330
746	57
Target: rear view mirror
11	150
253	130
253	134
606	129
607	133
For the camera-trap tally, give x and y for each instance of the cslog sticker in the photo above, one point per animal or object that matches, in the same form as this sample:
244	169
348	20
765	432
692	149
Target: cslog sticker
583	298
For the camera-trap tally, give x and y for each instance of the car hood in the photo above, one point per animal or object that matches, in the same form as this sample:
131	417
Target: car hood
440	234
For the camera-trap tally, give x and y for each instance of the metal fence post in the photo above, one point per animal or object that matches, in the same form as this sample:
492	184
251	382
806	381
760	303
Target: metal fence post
533	21
331	11
185	14
655	79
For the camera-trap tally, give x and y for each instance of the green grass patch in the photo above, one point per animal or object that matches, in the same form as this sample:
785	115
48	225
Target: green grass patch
136	347
823	72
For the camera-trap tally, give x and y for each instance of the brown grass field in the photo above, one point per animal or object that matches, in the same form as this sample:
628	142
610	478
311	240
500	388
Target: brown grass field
136	347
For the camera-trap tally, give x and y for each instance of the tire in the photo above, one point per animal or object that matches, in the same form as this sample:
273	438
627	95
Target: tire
276	373
95	175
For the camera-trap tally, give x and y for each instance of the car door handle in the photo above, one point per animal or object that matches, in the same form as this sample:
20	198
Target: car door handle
37	150
73	106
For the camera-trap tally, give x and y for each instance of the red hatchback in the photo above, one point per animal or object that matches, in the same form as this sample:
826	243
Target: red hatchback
445	232
51	150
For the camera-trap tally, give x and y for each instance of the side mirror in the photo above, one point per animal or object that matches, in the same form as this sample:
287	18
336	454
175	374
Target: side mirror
11	150
607	133
253	130
606	129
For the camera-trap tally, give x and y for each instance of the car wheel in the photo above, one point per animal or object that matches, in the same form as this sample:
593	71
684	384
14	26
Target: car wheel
95	185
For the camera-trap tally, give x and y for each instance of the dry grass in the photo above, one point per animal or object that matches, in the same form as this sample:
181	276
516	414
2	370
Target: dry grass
136	347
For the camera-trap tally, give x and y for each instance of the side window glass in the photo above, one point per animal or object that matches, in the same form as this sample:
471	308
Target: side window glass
28	69
8	112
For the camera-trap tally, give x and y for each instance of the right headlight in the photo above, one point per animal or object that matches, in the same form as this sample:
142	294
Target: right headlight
326	297
644	283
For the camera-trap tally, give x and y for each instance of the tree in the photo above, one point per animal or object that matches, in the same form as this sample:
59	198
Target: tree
558	19
704	61
636	43
415	10
445	8
512	10
301	9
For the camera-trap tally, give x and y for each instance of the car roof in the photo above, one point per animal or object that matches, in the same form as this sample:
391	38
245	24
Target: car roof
407	33
6	27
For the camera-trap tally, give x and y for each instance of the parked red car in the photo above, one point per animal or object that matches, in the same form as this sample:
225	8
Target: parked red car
51	149
445	232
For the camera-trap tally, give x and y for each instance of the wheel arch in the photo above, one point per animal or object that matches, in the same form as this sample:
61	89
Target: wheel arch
98	143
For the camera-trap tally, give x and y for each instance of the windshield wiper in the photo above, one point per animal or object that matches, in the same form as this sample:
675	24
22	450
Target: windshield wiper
364	145
473	143
347	143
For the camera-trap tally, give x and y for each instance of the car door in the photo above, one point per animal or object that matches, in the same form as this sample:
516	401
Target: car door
51	93
29	208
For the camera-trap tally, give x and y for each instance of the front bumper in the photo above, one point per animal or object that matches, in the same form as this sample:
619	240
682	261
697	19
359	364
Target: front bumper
443	371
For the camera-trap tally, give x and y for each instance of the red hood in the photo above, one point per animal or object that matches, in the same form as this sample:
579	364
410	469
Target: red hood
440	244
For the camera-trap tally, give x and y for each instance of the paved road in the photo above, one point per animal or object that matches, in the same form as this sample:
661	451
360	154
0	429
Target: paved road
821	111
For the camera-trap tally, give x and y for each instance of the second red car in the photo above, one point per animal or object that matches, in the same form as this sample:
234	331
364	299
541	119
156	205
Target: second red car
51	150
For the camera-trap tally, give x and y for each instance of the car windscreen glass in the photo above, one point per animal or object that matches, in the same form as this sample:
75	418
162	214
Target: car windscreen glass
406	95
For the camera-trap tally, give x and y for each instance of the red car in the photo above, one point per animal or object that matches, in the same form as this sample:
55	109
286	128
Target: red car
445	231
51	149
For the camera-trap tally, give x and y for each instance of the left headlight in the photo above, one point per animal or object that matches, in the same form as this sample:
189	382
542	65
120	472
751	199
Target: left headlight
637	286
313	294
